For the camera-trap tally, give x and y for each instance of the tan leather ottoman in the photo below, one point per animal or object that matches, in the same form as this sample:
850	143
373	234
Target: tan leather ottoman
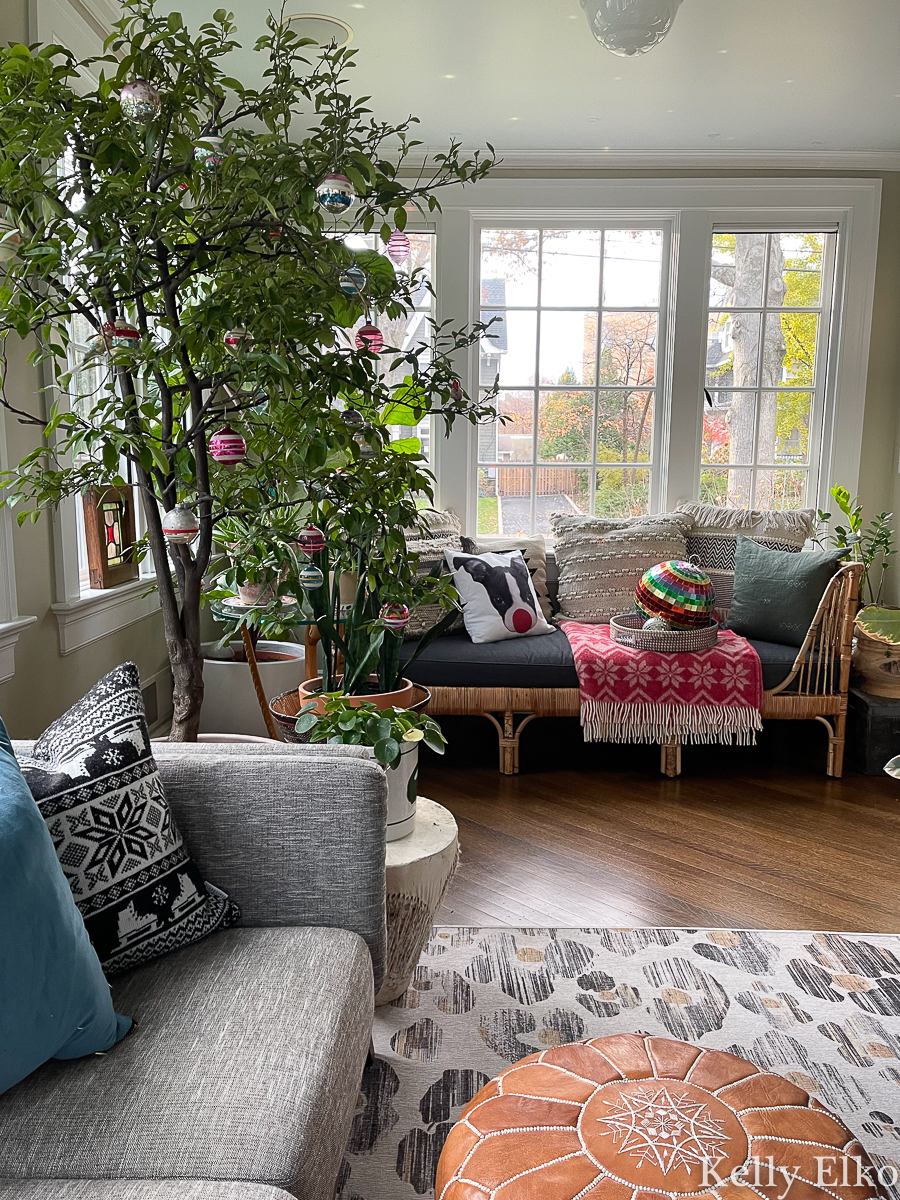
636	1118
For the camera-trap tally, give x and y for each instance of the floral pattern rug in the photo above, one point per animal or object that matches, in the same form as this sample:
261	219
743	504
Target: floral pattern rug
822	1009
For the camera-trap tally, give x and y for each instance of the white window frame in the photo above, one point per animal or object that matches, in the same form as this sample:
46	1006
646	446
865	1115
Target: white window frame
11	624
695	207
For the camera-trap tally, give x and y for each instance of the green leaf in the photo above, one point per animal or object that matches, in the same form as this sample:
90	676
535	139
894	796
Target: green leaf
386	751
411	445
305	722
880	623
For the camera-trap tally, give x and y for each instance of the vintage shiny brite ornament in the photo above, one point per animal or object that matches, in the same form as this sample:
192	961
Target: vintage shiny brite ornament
311	540
227	447
237	339
398	247
208	152
369	338
123	335
656	625
311	578
353	418
395	616
352	281
140	102
678	592
336	193
180	526
366	450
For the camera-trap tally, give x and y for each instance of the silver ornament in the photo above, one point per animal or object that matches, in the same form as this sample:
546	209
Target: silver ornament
140	102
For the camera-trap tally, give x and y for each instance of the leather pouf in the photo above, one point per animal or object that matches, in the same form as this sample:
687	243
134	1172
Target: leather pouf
636	1118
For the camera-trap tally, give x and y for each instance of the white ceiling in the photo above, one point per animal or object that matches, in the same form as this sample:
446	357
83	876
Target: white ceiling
785	75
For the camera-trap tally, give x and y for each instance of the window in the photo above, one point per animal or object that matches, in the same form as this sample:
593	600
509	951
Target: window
411	330
575	342
766	354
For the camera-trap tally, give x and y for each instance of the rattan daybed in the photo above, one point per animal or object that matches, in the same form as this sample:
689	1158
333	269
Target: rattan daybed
806	684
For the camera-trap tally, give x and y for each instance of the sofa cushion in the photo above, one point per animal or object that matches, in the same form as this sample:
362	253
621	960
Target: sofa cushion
244	1064
457	661
538	662
98	788
136	1189
776	597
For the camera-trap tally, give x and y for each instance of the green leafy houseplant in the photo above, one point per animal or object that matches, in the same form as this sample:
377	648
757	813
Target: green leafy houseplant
872	545
883	624
388	731
229	270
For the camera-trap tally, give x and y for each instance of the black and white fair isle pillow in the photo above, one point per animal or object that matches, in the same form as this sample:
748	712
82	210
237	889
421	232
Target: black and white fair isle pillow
98	788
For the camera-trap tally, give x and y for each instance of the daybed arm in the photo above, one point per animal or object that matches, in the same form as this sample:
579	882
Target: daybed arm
829	640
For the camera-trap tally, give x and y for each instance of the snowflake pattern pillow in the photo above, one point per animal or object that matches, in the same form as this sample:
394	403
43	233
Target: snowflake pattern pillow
499	600
98	788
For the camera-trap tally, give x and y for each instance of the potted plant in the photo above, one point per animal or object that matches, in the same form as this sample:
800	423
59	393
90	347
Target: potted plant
876	654
392	736
221	327
872	545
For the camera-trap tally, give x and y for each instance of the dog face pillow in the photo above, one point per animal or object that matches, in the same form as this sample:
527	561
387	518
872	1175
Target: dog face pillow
499	600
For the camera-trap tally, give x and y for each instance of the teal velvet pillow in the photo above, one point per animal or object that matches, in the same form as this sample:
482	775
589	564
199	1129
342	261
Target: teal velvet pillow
776	594
54	998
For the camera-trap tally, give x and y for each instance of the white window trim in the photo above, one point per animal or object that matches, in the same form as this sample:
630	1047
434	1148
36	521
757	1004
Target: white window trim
11	624
96	614
695	206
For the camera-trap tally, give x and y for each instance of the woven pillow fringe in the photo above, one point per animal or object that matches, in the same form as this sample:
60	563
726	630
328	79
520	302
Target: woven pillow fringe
705	724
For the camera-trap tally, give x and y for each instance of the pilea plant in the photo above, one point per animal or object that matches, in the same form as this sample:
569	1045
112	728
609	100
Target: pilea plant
388	731
196	222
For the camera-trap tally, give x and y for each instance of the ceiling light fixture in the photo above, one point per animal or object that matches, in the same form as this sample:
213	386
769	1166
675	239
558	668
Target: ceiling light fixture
628	27
322	29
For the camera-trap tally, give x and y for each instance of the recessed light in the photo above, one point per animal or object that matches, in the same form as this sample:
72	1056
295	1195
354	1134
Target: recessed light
449	76
357	6
514	118
789	81
606	148
670	110
617	76
321	29
723	51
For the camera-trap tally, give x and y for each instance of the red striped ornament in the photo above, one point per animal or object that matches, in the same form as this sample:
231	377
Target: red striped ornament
226	446
369	338
678	592
398	247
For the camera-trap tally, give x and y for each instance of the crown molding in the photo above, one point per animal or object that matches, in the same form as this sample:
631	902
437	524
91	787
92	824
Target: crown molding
704	159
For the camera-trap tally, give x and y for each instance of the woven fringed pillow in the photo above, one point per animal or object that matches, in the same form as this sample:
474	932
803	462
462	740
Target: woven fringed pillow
601	559
437	530
712	541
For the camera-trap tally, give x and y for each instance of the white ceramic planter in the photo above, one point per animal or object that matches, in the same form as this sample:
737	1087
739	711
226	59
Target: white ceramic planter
229	699
402	784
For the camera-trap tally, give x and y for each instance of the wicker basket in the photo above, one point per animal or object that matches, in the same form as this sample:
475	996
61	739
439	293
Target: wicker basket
284	709
627	629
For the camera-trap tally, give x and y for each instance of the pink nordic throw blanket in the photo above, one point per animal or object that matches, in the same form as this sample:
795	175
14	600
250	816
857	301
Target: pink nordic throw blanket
641	696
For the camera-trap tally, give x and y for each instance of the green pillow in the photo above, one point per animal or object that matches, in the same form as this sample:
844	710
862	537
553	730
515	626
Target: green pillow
776	594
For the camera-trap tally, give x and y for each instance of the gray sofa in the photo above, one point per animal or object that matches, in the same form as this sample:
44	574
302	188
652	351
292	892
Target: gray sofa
240	1079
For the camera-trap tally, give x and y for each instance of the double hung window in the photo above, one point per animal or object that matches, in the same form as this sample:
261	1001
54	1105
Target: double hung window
576	342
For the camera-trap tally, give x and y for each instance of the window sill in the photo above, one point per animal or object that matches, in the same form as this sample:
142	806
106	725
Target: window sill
9	635
99	613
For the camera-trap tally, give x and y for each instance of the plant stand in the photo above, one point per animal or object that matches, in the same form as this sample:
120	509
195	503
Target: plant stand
418	869
250	651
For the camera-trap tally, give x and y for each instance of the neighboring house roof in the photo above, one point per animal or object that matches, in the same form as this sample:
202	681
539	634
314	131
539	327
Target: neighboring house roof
493	292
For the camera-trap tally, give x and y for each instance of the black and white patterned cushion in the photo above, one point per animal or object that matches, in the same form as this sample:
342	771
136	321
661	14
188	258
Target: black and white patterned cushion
98	788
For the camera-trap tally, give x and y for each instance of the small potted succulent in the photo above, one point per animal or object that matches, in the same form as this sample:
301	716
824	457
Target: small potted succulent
391	735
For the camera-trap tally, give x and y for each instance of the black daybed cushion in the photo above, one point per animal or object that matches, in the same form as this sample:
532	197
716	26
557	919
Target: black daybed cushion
538	662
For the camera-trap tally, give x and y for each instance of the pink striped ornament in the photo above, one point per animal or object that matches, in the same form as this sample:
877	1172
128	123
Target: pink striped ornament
227	447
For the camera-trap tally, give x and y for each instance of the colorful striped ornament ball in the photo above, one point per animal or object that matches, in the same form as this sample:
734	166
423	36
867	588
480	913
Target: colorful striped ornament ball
678	592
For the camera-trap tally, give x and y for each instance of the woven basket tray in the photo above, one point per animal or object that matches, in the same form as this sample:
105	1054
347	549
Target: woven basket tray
627	630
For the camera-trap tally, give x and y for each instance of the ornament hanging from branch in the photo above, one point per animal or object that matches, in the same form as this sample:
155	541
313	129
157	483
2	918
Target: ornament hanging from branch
353	418
336	193
369	338
180	526
366	450
395	616
238	339
352	281
208	152
227	447
456	392
124	335
102	342
140	102
311	578
311	540
398	247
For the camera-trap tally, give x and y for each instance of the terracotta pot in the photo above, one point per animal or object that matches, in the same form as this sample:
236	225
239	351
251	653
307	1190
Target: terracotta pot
879	664
404	697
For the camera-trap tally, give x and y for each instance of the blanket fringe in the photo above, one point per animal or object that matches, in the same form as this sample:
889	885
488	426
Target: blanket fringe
705	724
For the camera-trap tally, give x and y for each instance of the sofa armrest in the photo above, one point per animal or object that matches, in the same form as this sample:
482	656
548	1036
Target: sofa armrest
293	838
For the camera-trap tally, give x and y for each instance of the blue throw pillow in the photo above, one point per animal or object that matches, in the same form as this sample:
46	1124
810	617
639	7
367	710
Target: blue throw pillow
54	998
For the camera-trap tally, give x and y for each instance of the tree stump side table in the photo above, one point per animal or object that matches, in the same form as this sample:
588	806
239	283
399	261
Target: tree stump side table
418	869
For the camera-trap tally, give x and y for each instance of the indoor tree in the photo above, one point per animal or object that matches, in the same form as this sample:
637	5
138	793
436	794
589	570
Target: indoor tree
186	239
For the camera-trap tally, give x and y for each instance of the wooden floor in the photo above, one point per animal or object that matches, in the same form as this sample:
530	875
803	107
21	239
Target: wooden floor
593	835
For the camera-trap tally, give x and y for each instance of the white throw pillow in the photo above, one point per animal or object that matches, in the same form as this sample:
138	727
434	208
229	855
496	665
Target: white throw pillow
499	600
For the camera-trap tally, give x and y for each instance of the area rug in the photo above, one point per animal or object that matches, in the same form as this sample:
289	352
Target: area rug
822	1009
